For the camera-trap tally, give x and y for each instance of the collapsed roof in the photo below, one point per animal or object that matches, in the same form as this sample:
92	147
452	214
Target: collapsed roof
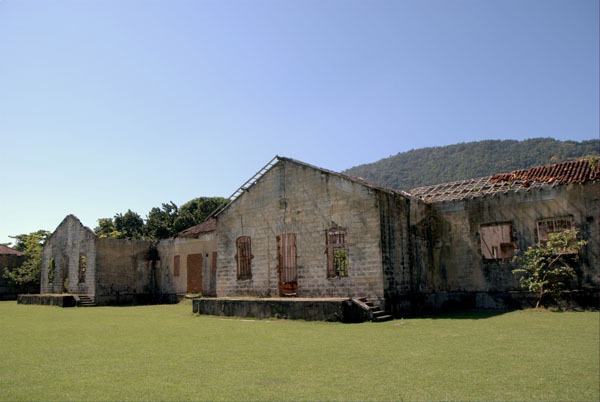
571	172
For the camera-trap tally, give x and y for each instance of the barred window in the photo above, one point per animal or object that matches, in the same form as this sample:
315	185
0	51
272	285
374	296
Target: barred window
337	252
553	225
176	265
244	257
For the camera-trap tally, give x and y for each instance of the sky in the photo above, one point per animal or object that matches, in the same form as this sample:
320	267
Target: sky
110	105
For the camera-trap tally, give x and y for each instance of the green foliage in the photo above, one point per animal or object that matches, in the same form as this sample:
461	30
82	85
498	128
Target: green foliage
427	166
106	228
130	225
196	211
153	353
27	275
340	261
547	268
161	223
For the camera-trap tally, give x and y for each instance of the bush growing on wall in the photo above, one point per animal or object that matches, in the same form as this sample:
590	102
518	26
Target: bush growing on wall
548	267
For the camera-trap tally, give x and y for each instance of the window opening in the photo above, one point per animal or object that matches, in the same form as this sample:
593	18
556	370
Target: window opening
337	252
51	270
553	225
496	241
176	265
244	257
82	268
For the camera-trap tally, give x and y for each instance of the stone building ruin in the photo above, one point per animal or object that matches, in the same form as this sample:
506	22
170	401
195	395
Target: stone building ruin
302	232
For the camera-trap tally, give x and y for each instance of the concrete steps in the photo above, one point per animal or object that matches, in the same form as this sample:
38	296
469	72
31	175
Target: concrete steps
374	311
85	301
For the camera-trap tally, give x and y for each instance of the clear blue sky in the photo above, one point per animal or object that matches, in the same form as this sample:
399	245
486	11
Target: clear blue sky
113	105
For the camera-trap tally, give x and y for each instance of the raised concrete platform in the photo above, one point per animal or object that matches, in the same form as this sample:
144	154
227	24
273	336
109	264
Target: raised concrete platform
73	300
59	300
334	309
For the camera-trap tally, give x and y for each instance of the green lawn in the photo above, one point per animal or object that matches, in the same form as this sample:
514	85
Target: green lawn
167	353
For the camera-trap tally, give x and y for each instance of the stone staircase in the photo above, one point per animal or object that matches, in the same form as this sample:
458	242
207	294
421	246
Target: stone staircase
374	312
85	301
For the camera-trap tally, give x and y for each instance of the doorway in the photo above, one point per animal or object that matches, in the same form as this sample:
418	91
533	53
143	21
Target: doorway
287	269
194	273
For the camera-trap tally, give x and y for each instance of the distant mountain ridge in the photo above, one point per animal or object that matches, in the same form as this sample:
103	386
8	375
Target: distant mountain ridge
434	165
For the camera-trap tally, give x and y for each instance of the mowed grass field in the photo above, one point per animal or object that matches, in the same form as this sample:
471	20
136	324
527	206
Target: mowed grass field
168	353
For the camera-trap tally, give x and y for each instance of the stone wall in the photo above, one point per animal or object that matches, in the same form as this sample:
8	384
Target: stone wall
69	257
294	198
448	239
126	271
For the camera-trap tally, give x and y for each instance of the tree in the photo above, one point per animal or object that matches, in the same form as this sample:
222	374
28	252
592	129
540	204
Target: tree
106	228
547	268
196	211
27	275
123	226
160	223
130	225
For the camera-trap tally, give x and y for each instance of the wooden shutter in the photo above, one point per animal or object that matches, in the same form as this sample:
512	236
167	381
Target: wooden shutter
288	271
244	257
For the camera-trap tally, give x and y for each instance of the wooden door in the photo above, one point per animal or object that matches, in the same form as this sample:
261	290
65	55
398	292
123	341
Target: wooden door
194	273
287	269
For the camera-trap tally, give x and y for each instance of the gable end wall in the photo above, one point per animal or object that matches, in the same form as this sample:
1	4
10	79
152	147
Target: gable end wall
299	199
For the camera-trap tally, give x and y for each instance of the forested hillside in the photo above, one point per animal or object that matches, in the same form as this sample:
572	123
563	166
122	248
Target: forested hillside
426	166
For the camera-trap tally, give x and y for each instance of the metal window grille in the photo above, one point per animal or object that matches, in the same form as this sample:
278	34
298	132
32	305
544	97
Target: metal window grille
244	257
337	252
553	225
287	257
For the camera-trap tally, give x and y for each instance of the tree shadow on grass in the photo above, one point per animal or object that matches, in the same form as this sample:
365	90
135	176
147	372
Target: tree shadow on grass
464	315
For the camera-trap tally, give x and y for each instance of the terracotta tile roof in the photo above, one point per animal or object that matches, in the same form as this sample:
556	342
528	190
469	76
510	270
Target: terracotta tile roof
564	173
550	175
5	250
207	226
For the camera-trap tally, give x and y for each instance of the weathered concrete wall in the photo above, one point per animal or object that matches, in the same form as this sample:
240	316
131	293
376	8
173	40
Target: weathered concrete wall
63	250
205	245
293	198
448	240
126	271
400	277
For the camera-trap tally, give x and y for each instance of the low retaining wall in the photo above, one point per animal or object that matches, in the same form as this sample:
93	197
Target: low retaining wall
136	299
48	300
342	310
67	300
